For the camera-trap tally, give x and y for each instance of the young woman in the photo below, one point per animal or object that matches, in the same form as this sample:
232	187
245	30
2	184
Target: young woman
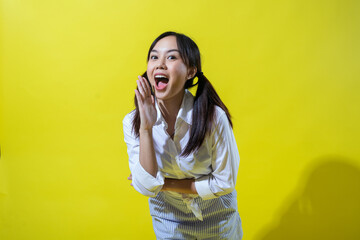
182	150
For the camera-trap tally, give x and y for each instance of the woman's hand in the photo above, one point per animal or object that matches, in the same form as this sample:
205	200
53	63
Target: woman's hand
146	103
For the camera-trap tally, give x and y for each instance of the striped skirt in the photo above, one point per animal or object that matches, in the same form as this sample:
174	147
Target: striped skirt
172	219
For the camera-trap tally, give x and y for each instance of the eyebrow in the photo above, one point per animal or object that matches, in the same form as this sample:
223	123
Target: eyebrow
171	50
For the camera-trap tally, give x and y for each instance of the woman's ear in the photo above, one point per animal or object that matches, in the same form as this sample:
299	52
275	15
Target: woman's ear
191	72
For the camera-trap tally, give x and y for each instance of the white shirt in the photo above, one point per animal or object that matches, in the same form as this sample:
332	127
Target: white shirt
214	166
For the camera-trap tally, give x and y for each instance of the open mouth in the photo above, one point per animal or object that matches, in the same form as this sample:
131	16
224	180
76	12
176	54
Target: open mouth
161	82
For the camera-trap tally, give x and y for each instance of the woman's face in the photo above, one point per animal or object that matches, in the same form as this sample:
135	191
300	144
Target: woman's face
166	70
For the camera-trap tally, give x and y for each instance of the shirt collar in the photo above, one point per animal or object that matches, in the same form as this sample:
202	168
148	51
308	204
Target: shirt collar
185	111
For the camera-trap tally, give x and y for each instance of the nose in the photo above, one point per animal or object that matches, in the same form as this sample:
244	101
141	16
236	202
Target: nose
161	64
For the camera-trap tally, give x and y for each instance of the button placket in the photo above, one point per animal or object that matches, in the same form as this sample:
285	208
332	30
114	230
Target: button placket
180	134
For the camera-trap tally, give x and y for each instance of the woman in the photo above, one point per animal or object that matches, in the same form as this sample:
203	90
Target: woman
182	150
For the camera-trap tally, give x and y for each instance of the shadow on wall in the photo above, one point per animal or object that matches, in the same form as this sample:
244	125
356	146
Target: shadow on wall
327	208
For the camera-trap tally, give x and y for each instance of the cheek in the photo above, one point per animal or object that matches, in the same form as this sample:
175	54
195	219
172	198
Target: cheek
181	70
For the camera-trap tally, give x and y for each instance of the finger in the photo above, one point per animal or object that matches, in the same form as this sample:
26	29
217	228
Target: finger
138	97
140	87
152	100
147	86
144	87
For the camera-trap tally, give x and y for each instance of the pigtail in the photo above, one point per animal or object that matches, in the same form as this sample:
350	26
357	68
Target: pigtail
203	117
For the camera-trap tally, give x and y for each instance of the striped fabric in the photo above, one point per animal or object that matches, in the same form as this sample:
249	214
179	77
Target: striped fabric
172	219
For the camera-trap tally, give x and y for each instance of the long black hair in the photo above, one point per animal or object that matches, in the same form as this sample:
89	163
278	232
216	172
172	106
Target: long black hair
205	100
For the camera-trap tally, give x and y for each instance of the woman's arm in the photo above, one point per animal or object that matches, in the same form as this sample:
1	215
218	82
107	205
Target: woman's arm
225	162
147	111
179	185
145	176
141	180
147	153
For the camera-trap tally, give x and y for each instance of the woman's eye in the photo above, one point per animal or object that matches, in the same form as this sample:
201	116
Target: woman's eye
171	57
153	57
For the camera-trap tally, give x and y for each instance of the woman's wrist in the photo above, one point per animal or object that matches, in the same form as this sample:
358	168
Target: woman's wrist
143	131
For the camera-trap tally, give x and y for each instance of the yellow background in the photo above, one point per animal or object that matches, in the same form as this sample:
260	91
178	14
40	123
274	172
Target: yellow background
287	70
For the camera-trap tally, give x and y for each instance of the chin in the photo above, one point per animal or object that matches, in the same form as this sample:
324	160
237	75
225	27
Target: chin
160	96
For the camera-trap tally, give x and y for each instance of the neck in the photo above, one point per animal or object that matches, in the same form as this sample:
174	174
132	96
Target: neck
169	108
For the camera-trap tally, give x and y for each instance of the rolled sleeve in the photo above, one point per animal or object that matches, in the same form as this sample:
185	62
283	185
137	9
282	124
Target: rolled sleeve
203	188
145	183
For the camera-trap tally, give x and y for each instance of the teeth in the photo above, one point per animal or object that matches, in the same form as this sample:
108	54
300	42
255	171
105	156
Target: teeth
160	76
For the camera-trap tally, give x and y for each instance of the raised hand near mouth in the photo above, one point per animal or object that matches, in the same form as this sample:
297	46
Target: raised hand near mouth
146	104
147	110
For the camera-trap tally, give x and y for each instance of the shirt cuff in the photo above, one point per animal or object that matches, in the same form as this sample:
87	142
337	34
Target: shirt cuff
203	188
145	183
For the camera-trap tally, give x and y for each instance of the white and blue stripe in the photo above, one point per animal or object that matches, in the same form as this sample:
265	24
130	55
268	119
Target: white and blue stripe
172	219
